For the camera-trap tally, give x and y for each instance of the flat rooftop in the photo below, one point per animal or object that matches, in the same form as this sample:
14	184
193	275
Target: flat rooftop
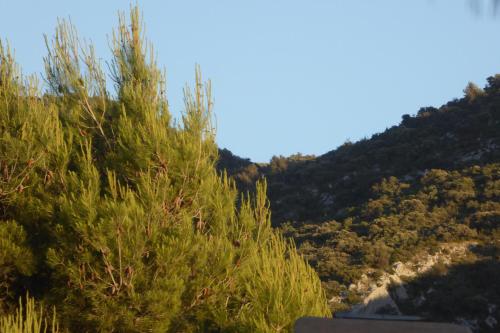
342	325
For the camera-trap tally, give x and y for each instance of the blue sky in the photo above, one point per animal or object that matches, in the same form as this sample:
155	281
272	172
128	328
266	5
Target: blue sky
291	76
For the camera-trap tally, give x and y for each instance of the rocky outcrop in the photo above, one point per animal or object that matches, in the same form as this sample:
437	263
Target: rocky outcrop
380	295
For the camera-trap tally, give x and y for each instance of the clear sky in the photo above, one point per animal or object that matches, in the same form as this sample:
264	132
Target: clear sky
291	76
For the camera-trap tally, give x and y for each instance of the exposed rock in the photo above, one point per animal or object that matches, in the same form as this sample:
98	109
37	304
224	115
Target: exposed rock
401	293
407	178
377	300
381	295
401	270
326	199
470	323
314	191
450	135
419	300
335	300
491	321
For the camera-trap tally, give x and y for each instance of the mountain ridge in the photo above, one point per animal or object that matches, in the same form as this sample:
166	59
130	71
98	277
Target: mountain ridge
403	194
404	150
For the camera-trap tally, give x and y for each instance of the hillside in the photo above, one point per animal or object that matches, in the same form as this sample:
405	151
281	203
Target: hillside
462	133
365	208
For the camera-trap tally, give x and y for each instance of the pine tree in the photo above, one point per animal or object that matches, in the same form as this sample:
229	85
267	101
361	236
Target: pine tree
472	92
125	214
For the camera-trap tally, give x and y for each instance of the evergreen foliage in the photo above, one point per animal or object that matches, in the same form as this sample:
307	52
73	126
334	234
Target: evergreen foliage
117	215
472	92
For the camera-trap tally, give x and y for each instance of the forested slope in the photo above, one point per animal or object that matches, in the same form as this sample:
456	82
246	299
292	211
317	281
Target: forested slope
432	180
461	133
